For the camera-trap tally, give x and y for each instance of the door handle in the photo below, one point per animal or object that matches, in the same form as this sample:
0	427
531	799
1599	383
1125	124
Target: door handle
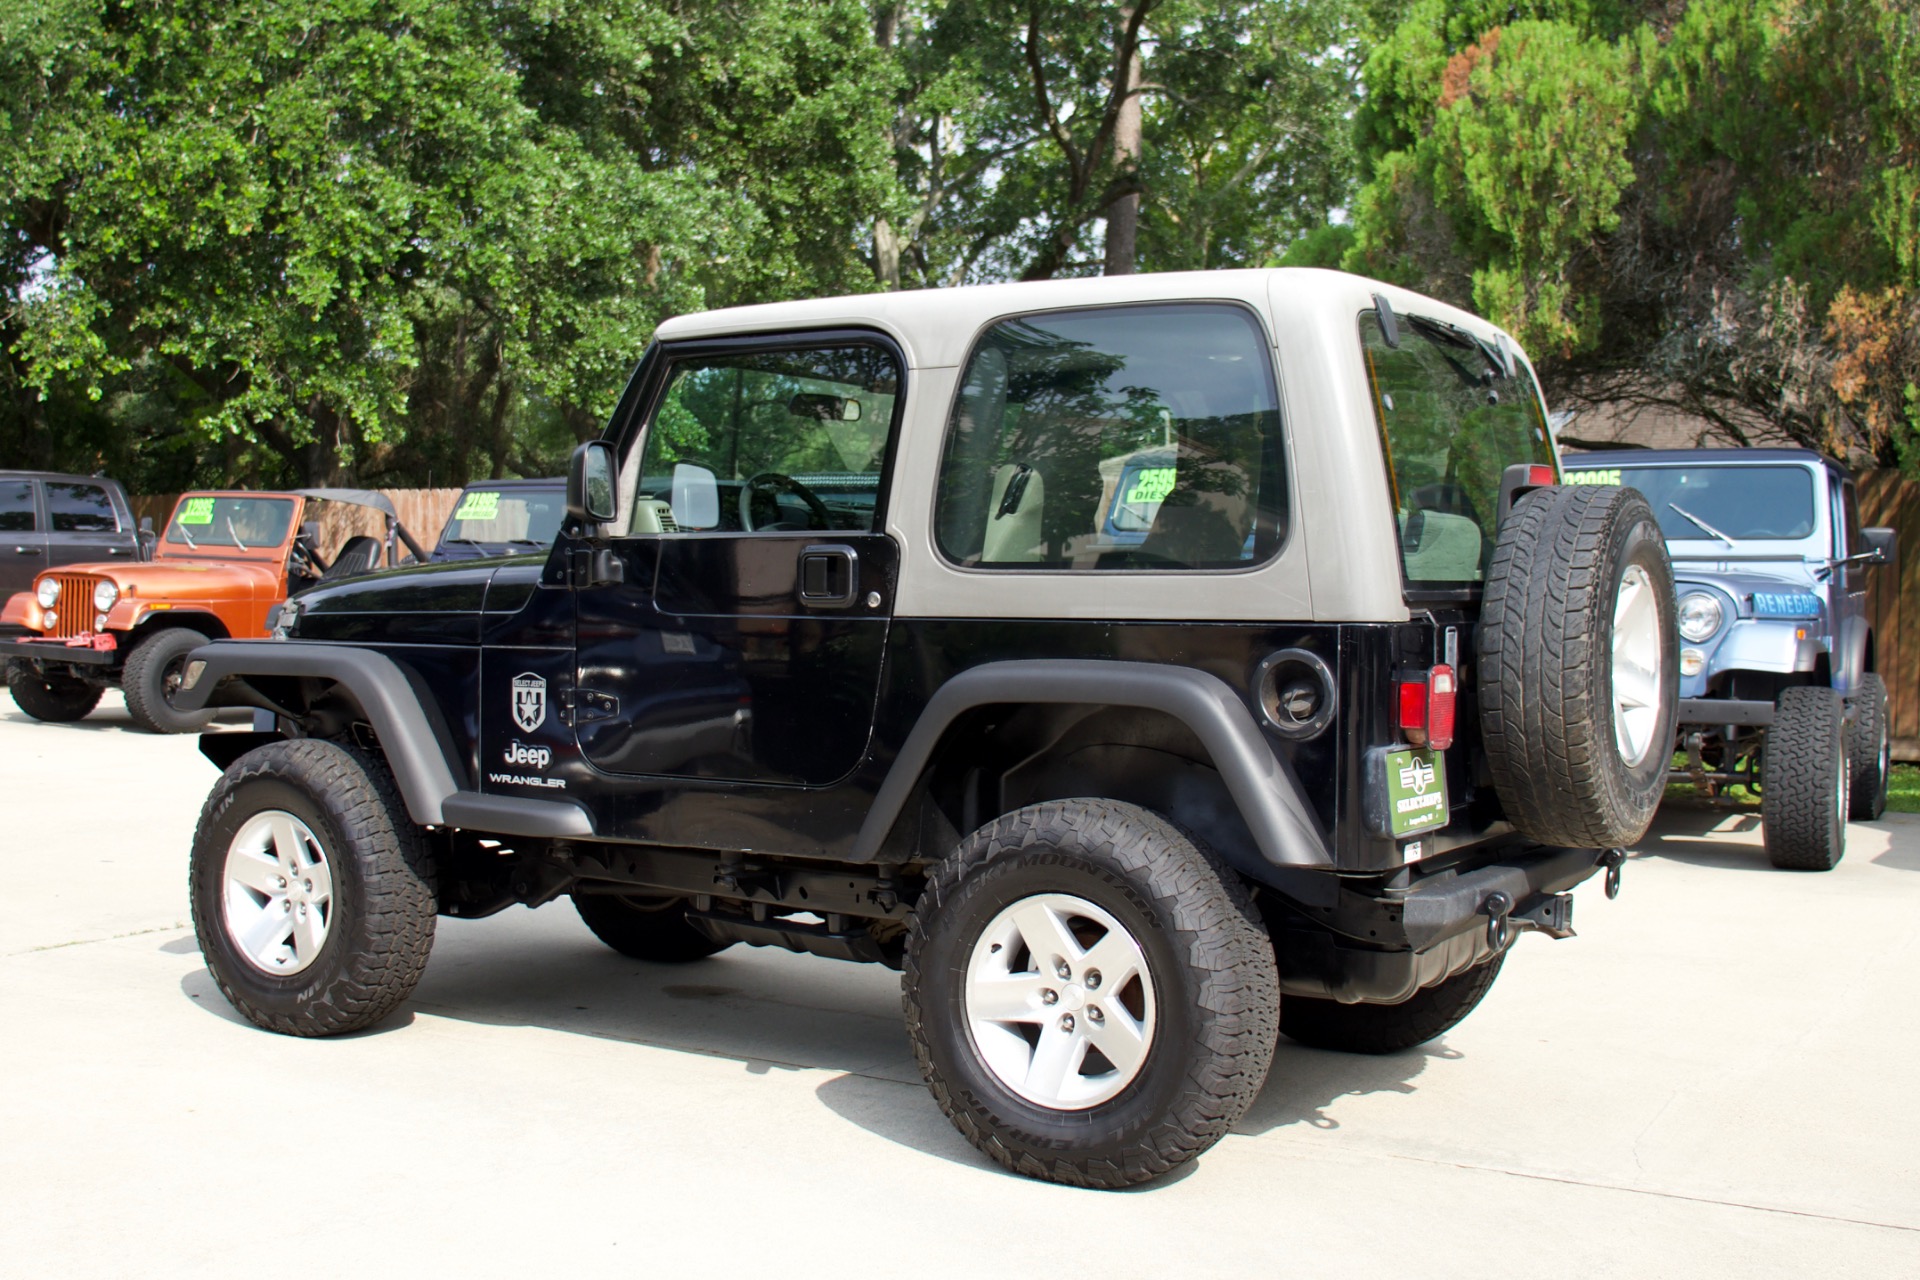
829	576
27	551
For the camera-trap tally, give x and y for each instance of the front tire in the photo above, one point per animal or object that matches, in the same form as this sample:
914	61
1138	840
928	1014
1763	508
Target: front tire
644	927
1870	749
152	678
1091	997
50	699
312	890
1805	781
1389	1028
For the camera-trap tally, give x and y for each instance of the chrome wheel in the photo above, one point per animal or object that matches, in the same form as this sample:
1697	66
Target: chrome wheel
1059	1002
1636	665
277	893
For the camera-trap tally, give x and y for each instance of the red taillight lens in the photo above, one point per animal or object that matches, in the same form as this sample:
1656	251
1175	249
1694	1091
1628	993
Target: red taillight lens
1441	688
1413	711
1541	475
1426	708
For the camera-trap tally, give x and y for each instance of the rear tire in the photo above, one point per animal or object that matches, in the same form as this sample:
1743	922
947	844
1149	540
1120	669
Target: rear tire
644	927
48	698
1579	666
1870	750
318	832
1805	781
152	677
1091	997
1388	1028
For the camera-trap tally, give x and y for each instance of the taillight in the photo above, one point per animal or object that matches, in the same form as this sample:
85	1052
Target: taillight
1540	475
1426	707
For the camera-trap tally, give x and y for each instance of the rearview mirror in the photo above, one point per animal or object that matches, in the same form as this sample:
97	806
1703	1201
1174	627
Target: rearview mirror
590	483
824	408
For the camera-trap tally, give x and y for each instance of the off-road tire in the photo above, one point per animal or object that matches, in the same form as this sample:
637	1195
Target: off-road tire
381	930
1545	644
1804	781
153	662
1216	990
50	699
645	928
1869	750
1389	1028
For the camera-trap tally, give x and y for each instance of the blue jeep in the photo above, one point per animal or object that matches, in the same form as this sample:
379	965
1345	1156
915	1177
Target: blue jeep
1778	686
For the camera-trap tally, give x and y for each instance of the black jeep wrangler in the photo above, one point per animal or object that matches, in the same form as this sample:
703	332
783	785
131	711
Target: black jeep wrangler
1146	667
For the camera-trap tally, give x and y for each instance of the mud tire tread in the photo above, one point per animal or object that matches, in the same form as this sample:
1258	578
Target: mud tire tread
140	682
57	701
1868	799
1798	819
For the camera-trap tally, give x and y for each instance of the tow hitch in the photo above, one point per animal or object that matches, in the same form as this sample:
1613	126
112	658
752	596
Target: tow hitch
1551	914
1613	860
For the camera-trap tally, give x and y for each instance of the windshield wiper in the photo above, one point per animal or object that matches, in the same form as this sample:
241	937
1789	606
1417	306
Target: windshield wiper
235	534
1702	523
182	531
1453	335
525	542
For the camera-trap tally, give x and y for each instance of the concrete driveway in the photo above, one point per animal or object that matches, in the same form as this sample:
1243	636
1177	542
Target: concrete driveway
1718	1077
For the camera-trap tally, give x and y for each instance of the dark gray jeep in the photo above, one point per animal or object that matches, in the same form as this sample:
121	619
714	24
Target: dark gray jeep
1147	667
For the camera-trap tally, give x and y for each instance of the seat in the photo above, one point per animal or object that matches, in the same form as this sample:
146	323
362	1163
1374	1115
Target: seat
1013	534
358	555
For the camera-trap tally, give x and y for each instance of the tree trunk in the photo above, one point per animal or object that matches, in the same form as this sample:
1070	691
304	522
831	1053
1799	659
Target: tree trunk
1123	215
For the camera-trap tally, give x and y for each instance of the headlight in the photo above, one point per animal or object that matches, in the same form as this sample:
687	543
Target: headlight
1700	615
49	593
105	596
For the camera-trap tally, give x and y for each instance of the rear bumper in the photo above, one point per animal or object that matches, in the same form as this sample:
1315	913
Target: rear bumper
1440	926
58	651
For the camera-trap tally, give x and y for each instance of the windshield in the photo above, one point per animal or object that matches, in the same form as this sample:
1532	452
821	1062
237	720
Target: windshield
1741	502
245	524
1451	421
530	517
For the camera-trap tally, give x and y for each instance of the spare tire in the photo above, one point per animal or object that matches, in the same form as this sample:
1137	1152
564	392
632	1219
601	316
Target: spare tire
1579	666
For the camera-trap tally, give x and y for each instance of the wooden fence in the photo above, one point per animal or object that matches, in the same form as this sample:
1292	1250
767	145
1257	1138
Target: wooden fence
422	511
1893	596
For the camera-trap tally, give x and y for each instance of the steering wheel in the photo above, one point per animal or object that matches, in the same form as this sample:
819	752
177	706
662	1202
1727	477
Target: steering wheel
773	481
302	560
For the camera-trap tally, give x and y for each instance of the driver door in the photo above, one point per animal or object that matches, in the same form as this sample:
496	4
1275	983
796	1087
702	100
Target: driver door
746	641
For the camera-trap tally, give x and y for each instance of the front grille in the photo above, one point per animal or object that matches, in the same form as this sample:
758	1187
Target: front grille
75	608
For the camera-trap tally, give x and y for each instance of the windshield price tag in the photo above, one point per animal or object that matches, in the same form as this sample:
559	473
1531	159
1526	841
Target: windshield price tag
1607	475
1416	790
482	504
196	511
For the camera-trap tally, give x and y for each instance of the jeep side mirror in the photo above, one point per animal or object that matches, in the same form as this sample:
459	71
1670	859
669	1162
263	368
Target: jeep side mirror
1883	546
590	483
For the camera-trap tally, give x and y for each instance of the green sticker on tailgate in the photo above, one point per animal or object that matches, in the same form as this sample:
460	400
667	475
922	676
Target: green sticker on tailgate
481	504
196	511
1416	790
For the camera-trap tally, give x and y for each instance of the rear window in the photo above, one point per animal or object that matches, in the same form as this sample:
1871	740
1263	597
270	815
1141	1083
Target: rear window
1698	504
1118	438
243	524
16	506
80	508
1451	421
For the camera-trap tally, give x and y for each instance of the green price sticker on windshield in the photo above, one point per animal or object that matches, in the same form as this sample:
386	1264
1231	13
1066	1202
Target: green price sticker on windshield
482	504
196	511
1610	475
1150	484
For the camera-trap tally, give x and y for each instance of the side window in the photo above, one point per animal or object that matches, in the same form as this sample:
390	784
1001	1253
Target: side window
1122	438
769	442
16	506
80	508
1451	421
1856	541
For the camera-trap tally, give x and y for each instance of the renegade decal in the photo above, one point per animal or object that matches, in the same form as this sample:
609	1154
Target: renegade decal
529	701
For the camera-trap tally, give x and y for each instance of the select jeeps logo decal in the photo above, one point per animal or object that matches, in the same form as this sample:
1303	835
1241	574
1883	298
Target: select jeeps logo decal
529	701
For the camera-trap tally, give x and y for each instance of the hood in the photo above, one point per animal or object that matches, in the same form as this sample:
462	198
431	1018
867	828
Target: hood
415	603
183	579
1742	579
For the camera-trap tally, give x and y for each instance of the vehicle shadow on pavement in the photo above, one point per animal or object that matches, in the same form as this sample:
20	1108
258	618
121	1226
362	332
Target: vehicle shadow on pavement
1304	1084
198	987
110	720
1702	834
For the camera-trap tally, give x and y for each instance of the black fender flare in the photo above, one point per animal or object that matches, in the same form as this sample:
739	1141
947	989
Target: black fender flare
1258	777
417	746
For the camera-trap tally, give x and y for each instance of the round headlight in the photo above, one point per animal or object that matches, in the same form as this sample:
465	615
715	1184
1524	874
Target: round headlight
49	593
1700	615
104	596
